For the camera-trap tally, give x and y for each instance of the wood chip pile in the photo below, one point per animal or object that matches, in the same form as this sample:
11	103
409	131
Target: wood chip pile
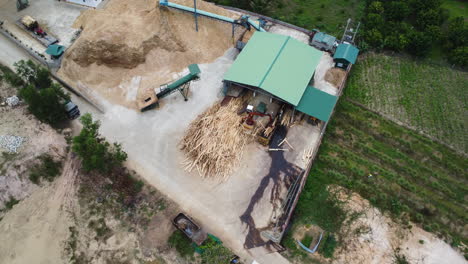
215	141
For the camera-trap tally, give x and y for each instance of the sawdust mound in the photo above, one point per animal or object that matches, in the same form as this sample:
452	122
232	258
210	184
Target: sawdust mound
335	76
120	55
215	140
138	38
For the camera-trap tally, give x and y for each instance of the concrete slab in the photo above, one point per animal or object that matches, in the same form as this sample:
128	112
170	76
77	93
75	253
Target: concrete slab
325	64
282	30
11	53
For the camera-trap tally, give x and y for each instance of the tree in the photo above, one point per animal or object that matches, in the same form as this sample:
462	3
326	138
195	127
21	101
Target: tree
26	69
46	104
42	79
374	21
214	252
427	18
459	56
33	74
397	10
419	44
376	7
457	33
374	38
97	154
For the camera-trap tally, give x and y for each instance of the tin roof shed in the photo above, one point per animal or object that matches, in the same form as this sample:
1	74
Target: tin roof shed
317	103
55	50
280	65
323	40
346	52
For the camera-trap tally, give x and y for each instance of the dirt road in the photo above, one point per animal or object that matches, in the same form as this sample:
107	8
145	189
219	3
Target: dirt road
36	228
10	53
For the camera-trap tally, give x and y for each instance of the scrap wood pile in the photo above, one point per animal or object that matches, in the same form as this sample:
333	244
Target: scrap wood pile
215	140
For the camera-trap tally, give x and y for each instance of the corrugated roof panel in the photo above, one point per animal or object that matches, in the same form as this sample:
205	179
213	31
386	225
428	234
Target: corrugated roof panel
292	71
324	38
347	52
317	103
256	59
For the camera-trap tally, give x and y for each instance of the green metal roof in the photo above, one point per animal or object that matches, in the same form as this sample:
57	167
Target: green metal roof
278	64
346	52
55	50
317	103
324	38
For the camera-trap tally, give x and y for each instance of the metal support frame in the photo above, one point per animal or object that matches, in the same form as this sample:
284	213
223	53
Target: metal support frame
350	32
233	25
195	14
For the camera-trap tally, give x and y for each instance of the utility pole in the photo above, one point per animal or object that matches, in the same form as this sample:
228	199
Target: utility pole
195	14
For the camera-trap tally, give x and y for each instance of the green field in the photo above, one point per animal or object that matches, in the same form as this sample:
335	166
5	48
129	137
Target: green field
456	8
430	98
413	178
326	15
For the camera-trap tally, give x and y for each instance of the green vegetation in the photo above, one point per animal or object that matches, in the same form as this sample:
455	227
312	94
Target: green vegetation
328	16
396	169
4	158
101	159
329	245
103	232
456	8
47	169
214	252
182	244
97	154
307	240
45	99
10	77
430	98
417	27
211	251
399	258
10	203
318	205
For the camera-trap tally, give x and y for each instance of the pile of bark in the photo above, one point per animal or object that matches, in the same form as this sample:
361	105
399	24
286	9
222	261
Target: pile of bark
215	141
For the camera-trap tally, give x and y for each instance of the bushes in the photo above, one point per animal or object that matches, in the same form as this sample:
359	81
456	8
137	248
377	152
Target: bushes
10	203
48	169
46	104
213	252
328	247
415	27
97	154
46	100
181	243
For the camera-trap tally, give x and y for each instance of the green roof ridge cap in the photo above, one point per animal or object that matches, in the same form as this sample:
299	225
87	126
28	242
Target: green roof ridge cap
274	61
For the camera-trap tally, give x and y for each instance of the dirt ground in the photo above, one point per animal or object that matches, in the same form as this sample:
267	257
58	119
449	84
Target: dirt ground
35	229
39	139
139	40
374	238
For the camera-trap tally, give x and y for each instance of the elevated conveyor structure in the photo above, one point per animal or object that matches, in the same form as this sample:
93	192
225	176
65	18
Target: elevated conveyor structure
150	100
248	21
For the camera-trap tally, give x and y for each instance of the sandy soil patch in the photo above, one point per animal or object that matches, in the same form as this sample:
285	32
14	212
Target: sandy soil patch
374	238
39	138
35	229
